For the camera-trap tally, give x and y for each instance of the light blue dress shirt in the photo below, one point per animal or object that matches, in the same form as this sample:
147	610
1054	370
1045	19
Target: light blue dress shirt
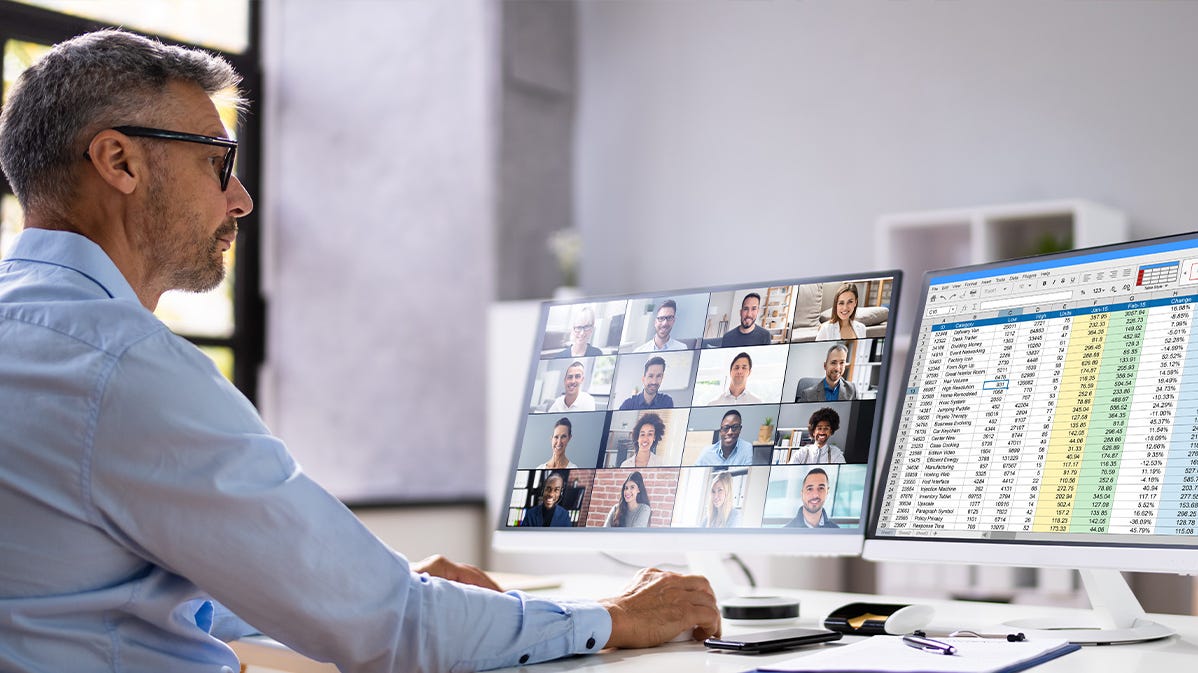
140	493
714	455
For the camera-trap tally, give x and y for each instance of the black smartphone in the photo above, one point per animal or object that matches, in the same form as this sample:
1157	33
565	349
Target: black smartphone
771	641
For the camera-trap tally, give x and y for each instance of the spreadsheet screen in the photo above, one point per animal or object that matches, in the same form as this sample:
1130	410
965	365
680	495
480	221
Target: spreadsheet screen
1052	399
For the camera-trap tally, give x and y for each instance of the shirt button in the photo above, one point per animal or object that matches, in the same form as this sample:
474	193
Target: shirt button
590	643
524	659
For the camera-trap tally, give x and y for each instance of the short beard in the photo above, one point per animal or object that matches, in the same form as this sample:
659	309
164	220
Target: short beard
204	275
183	263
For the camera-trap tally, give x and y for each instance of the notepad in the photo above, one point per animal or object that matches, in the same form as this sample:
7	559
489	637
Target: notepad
888	654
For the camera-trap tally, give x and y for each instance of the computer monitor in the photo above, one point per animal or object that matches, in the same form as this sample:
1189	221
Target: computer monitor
1049	417
694	420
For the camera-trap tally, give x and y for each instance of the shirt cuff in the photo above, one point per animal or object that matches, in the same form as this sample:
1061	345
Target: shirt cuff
592	625
559	628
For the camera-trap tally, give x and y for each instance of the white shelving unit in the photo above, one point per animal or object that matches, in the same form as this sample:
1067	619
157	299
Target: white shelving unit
863	367
917	242
775	312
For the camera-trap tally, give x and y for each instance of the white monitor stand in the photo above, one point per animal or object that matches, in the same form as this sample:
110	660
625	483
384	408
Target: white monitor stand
1117	614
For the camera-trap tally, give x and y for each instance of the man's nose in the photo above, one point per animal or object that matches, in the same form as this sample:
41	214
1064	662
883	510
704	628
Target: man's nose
239	199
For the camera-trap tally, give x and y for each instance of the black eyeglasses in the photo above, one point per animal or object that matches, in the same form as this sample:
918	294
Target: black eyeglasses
225	170
731	428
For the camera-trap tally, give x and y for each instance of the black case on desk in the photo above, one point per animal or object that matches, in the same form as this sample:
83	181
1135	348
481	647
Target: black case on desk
874	624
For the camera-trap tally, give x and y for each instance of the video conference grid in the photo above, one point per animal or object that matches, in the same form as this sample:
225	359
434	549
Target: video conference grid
702	382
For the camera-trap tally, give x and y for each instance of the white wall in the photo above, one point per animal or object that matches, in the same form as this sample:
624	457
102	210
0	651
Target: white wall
720	142
378	214
417	532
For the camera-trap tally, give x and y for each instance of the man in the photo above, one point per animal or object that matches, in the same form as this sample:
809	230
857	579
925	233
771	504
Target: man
832	387
663	325
649	398
148	512
815	492
730	449
548	513
748	332
822	424
563	432
573	397
582	330
738	379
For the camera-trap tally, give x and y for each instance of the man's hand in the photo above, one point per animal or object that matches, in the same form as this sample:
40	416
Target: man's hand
439	566
658	605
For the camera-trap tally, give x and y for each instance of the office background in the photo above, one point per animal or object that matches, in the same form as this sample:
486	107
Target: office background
416	155
424	161
717	142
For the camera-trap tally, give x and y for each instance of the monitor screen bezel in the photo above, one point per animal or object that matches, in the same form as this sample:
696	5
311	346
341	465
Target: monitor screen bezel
824	542
1145	556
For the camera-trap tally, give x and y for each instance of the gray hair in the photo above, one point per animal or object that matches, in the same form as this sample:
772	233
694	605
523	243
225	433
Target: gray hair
82	86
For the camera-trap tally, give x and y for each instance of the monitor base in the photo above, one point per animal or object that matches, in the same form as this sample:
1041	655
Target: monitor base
1117	616
1138	632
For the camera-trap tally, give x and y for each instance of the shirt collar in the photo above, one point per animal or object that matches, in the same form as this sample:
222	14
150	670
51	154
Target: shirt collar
831	389
75	252
741	445
823	519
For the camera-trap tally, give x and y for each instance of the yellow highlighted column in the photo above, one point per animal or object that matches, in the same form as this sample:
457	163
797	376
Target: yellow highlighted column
1067	440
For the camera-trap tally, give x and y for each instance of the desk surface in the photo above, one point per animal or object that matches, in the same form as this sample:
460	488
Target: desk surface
1177	653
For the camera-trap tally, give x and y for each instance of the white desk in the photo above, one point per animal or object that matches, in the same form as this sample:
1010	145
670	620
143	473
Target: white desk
1179	653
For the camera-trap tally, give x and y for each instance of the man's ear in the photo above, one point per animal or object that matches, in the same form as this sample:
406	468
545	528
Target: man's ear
117	160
